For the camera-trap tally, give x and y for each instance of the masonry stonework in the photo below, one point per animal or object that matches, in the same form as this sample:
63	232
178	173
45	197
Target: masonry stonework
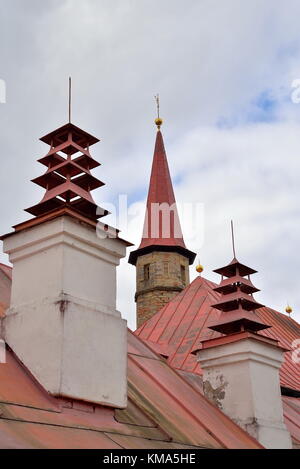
159	277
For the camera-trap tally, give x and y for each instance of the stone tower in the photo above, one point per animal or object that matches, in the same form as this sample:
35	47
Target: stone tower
162	259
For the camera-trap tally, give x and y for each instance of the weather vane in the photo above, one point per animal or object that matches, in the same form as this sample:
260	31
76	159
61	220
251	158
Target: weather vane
157	104
158	120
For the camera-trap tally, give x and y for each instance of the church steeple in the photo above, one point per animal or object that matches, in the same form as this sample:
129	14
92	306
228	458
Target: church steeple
162	258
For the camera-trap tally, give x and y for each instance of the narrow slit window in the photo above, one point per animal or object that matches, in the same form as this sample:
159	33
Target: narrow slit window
182	272
146	272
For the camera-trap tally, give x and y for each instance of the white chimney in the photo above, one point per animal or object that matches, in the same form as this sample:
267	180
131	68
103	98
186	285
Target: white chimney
241	377
63	323
241	368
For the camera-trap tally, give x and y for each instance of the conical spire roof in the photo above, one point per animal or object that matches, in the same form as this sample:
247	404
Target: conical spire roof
162	225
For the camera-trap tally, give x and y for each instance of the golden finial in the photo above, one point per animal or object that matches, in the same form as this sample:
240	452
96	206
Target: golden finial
199	267
288	309
158	121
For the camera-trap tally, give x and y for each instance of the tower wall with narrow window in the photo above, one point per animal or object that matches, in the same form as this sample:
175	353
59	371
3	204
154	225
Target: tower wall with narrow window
159	277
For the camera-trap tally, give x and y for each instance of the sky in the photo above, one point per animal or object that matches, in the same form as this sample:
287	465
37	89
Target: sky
226	73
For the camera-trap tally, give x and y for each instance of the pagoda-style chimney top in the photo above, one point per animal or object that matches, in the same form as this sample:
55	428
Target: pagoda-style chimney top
234	266
68	180
237	304
241	368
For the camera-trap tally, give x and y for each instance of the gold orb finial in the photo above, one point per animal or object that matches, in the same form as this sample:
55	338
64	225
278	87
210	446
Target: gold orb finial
199	268
158	121
288	309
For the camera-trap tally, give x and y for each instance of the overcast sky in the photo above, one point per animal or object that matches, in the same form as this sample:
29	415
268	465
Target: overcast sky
224	71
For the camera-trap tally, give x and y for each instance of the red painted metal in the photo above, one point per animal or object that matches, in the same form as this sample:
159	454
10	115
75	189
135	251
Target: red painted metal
237	336
237	304
229	285
161	192
80	137
68	180
183	323
230	269
291	409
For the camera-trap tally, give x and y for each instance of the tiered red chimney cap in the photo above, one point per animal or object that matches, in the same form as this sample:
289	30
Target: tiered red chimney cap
161	192
237	304
68	180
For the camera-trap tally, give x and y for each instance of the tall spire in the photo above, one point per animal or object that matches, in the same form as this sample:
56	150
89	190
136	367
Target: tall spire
162	259
162	225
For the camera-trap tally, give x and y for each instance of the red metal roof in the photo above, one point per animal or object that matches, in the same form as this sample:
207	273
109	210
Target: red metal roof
183	323
291	409
164	411
160	191
160	231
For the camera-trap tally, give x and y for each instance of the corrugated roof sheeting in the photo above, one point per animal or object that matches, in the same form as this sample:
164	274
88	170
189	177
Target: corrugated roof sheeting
291	409
183	323
154	385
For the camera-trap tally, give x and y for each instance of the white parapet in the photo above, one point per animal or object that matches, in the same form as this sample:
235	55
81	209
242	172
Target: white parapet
242	378
63	323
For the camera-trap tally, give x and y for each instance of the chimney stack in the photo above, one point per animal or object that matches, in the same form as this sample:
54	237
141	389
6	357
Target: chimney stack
241	366
62	322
